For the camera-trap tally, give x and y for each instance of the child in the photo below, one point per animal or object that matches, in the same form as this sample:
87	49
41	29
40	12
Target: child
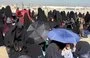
67	52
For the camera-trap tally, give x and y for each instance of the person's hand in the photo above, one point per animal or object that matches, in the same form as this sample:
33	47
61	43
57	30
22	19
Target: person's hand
33	21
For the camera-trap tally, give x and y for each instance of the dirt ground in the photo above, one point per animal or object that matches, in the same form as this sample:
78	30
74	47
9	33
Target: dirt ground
86	39
3	52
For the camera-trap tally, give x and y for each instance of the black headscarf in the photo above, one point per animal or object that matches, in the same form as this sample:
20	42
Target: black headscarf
8	11
64	17
41	15
72	15
50	15
87	18
27	21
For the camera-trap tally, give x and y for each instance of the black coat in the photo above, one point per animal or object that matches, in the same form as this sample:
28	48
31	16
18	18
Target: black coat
82	49
53	51
15	35
1	29
41	15
50	15
33	50
27	21
1	37
9	37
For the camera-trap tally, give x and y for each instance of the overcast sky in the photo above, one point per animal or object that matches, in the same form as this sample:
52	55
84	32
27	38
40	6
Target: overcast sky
49	2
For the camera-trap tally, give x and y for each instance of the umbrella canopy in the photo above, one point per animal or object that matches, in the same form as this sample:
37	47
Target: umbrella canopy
63	35
38	31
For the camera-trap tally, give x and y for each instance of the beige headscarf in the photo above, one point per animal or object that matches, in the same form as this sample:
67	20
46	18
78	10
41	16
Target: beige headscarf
82	22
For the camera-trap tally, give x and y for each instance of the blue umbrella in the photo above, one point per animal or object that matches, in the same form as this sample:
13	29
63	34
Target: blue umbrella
63	35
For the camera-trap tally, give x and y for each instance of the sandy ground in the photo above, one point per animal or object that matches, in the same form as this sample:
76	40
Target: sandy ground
86	39
3	52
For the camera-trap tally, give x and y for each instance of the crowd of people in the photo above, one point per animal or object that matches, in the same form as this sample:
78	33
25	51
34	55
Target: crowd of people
14	34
